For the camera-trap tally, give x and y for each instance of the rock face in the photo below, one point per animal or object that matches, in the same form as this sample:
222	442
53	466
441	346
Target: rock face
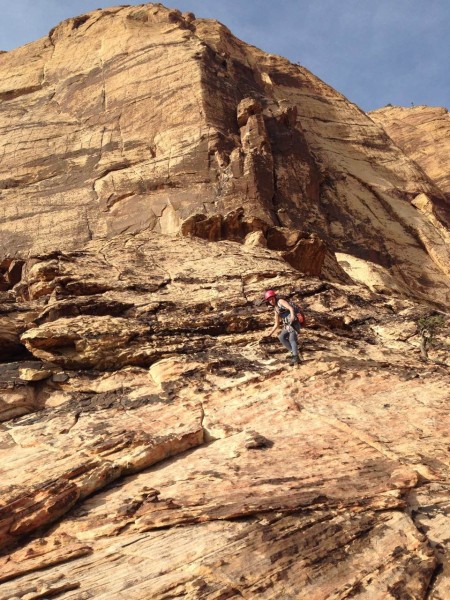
157	175
169	453
143	119
423	133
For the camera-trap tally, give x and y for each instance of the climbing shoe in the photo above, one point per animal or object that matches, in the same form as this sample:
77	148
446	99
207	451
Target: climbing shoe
295	360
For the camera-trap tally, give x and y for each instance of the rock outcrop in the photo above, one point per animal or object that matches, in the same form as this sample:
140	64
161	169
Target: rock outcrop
157	175
154	447
142	118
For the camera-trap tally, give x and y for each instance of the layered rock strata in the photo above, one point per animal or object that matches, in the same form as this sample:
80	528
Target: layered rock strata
165	451
141	118
157	175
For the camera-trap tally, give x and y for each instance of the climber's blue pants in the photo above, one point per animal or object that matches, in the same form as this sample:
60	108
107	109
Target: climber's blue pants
289	339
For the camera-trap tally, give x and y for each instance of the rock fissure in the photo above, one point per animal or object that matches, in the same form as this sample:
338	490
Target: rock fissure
430	590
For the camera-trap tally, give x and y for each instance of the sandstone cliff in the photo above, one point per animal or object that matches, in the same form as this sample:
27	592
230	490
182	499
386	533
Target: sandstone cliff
157	175
423	133
133	119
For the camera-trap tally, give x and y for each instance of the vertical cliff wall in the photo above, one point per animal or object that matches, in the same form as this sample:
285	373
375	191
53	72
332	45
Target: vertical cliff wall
141	118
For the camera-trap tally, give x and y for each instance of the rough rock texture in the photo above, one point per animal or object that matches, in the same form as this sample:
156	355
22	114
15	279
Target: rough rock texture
157	175
423	133
167	453
141	118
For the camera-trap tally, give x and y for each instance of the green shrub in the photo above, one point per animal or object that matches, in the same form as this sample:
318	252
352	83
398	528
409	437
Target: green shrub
428	327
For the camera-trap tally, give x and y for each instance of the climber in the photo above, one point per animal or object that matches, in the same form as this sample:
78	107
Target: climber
286	317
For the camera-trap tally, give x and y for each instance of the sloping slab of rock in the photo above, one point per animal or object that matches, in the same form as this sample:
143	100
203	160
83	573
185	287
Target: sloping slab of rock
310	556
218	472
430	509
416	432
312	509
52	464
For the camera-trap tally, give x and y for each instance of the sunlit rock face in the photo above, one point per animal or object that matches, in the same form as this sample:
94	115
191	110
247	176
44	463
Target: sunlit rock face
423	133
157	176
149	425
145	119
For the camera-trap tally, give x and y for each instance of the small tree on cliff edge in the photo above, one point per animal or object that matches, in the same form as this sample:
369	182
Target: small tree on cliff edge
428	327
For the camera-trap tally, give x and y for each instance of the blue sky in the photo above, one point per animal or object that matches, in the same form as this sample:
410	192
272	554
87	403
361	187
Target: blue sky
373	51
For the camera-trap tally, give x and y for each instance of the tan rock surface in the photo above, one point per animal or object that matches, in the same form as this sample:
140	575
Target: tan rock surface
198	465
141	118
18	396
423	133
173	173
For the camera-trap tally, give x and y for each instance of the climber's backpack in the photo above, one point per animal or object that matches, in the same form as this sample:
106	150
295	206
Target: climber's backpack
284	314
299	314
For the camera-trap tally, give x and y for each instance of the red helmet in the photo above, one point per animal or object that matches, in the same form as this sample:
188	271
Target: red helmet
269	294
